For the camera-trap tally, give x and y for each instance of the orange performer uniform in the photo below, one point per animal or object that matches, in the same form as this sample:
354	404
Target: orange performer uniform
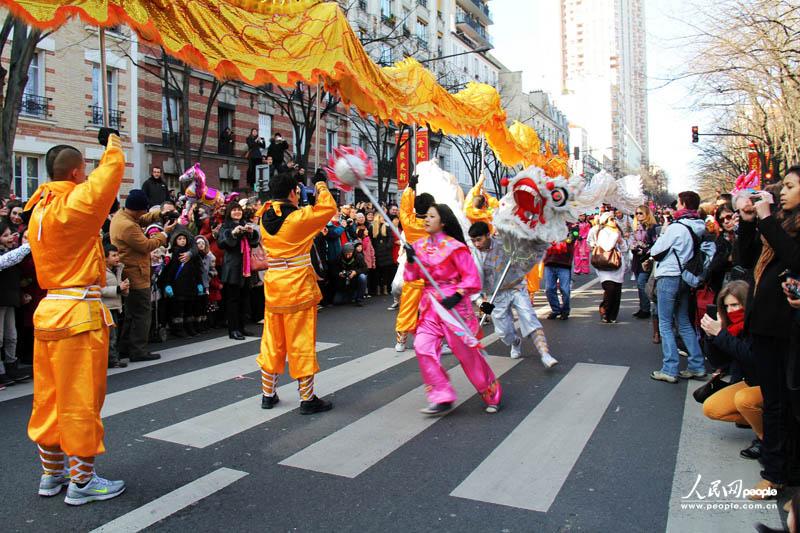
483	214
534	278
291	294
414	229
71	323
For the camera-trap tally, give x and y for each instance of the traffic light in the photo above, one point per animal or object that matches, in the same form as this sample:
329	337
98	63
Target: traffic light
695	134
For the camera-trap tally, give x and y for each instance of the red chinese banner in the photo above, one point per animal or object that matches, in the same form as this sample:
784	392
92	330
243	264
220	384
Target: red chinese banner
753	163
423	154
403	161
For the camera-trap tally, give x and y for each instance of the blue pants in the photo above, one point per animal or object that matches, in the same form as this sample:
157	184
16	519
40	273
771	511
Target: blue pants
558	279
674	305
354	293
641	282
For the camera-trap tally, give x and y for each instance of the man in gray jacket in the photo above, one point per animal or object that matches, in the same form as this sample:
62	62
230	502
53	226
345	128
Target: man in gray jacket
673	249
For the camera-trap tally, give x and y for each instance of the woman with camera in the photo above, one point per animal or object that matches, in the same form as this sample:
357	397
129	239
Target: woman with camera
645	233
770	244
727	346
236	238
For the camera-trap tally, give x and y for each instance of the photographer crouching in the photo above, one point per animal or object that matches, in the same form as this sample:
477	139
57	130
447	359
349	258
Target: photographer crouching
352	280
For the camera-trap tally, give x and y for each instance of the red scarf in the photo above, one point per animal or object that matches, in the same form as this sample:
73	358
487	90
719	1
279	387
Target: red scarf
736	325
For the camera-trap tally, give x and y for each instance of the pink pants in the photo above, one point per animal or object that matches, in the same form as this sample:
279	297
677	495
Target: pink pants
428	345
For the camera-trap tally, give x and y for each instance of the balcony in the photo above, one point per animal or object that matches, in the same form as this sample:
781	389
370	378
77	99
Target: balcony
422	43
473	30
34	105
114	117
389	19
477	9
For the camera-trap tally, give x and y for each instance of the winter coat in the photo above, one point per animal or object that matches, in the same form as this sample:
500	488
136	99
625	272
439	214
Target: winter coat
735	354
676	240
10	294
182	277
231	272
134	248
155	190
356	262
254	146
276	151
334	242
111	294
383	245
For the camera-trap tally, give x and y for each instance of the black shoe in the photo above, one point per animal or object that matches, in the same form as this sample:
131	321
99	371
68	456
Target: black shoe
437	409
553	316
6	381
236	335
268	402
641	314
743	426
564	316
150	356
753	452
117	364
14	372
314	405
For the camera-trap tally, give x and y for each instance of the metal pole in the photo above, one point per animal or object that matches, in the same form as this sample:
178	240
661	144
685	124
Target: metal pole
104	75
483	154
500	283
316	144
422	268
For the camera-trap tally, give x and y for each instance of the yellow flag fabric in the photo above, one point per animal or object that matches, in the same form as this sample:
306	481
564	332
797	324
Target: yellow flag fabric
286	41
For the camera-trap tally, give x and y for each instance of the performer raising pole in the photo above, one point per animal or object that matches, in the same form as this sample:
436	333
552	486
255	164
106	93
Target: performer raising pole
71	323
291	292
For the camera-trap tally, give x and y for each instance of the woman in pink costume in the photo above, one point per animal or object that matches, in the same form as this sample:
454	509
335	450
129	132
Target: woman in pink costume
446	256
582	246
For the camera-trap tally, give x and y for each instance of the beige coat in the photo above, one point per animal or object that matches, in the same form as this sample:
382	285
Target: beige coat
134	248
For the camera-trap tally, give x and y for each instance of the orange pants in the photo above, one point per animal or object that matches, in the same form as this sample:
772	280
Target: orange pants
737	403
69	389
409	306
291	336
534	278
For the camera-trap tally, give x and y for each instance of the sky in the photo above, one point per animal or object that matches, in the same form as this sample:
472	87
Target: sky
522	32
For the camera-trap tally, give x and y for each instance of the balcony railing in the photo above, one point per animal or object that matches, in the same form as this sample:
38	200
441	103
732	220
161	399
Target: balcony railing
483	7
422	43
34	105
362	5
423	3
114	117
463	18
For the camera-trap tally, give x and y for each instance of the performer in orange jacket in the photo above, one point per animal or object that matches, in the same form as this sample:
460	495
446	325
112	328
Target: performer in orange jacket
479	206
412	217
291	290
71	323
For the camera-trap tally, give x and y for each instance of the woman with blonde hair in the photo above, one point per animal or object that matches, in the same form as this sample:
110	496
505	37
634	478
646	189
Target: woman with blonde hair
607	237
382	243
728	346
645	233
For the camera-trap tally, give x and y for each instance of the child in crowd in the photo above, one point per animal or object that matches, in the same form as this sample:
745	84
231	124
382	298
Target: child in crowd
158	321
182	283
112	293
10	299
209	271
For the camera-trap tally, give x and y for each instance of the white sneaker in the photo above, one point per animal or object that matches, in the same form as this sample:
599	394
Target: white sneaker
516	348
549	361
400	347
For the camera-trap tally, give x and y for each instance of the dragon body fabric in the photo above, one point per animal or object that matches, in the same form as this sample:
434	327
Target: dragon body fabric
536	209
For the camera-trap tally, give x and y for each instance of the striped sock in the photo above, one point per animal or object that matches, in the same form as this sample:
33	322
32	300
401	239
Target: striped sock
81	469
269	382
540	341
306	387
52	459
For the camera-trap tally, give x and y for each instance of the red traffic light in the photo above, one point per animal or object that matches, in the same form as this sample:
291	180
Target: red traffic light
695	134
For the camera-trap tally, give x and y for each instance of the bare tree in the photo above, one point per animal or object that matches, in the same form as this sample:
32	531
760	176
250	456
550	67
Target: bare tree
13	79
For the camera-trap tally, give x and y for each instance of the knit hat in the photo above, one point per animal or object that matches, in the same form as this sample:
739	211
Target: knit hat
136	200
348	248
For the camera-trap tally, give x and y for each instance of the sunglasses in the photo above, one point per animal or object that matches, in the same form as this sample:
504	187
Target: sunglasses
727	218
639	213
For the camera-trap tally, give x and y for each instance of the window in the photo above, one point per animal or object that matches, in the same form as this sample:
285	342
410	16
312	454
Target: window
386	55
28	173
265	126
33	101
225	120
169	109
386	9
97	97
422	34
330	141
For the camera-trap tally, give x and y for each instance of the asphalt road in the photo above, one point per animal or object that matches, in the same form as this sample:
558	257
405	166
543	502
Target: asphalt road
590	445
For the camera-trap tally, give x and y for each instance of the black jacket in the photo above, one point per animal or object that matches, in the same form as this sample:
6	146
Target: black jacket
768	312
9	286
639	255
231	272
156	191
254	145
276	150
356	262
734	354
383	249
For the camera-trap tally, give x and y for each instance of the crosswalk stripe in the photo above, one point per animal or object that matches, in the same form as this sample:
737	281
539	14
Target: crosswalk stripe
180	498
156	391
529	467
220	424
170	354
710	449
358	446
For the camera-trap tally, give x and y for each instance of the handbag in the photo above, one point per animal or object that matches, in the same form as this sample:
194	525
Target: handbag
713	385
258	259
650	288
606	260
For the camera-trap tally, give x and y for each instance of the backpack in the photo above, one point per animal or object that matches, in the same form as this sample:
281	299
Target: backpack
695	272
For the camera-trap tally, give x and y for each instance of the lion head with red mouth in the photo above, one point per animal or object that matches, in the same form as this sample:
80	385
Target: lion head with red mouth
536	206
